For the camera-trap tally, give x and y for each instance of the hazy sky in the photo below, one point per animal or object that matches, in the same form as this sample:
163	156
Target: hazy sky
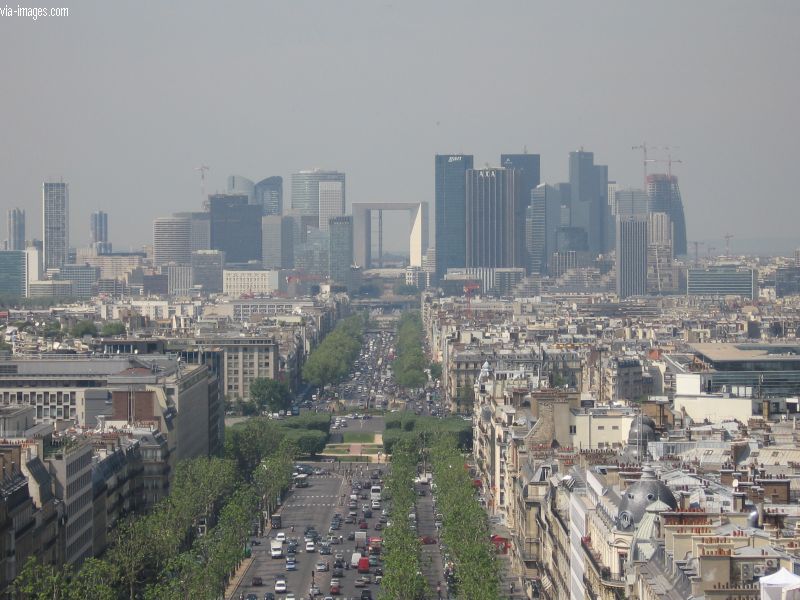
124	99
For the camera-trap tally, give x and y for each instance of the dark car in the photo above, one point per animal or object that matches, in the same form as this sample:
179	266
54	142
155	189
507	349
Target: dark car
366	594
257	581
269	596
351	535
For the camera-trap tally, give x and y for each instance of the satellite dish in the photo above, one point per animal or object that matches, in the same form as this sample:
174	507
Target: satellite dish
735	483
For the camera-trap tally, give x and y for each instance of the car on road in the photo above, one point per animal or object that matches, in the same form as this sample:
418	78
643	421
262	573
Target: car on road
257	581
362	525
269	596
280	585
281	536
427	539
336	587
321	567
251	597
310	547
314	590
366	595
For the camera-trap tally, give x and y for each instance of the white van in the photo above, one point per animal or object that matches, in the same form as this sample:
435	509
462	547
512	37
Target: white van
276	548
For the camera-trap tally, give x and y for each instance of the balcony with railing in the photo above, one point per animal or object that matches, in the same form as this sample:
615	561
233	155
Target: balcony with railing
603	572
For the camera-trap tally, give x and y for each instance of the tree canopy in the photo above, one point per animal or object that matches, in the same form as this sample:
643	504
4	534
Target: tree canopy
271	395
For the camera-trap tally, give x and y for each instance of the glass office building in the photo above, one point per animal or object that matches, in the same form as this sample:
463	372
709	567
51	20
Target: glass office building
451	211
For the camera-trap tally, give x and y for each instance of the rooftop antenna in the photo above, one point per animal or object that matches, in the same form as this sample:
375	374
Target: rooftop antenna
202	169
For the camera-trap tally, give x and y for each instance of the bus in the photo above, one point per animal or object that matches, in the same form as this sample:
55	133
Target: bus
375	492
301	480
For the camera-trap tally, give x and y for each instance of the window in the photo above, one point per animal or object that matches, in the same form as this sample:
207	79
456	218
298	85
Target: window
615	427
573	429
601	427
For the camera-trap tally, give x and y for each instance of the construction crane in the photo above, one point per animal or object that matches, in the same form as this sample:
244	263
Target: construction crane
728	237
644	147
202	169
469	288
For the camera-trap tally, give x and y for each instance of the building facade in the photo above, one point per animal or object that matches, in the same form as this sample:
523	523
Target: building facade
665	196
235	227
306	192
451	211
277	242
14	273
55	223
341	250
589	208
491	221
331	202
269	195
542	220
631	256
172	241
528	173
207	267
722	281
16	229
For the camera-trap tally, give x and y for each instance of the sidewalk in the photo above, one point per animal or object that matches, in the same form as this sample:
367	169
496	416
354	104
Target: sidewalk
237	578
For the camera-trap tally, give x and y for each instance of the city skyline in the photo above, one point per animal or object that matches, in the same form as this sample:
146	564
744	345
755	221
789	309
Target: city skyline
704	111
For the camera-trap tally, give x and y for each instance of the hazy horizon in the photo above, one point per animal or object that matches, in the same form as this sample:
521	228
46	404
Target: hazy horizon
124	100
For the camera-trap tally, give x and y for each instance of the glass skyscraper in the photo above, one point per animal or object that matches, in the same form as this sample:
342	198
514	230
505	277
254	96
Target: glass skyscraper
450	208
665	196
492	199
235	227
13	273
340	230
543	220
306	193
16	229
589	209
631	256
269	195
55	223
528	168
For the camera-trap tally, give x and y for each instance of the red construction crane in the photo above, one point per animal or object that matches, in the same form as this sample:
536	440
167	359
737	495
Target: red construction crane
470	287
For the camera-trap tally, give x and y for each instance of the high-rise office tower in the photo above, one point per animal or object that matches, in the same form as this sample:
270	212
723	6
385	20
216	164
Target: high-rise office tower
331	202
492	199
13	273
235	227
341	249
200	229
305	191
589	209
98	227
631	256
665	196
55	223
16	229
630	202
542	221
277	242
269	195
242	185
450	208
98	232
171	241
207	267
662	274
312	256
528	169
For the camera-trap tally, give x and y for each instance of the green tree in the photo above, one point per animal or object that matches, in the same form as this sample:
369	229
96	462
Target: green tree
436	370
269	394
83	328
113	328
